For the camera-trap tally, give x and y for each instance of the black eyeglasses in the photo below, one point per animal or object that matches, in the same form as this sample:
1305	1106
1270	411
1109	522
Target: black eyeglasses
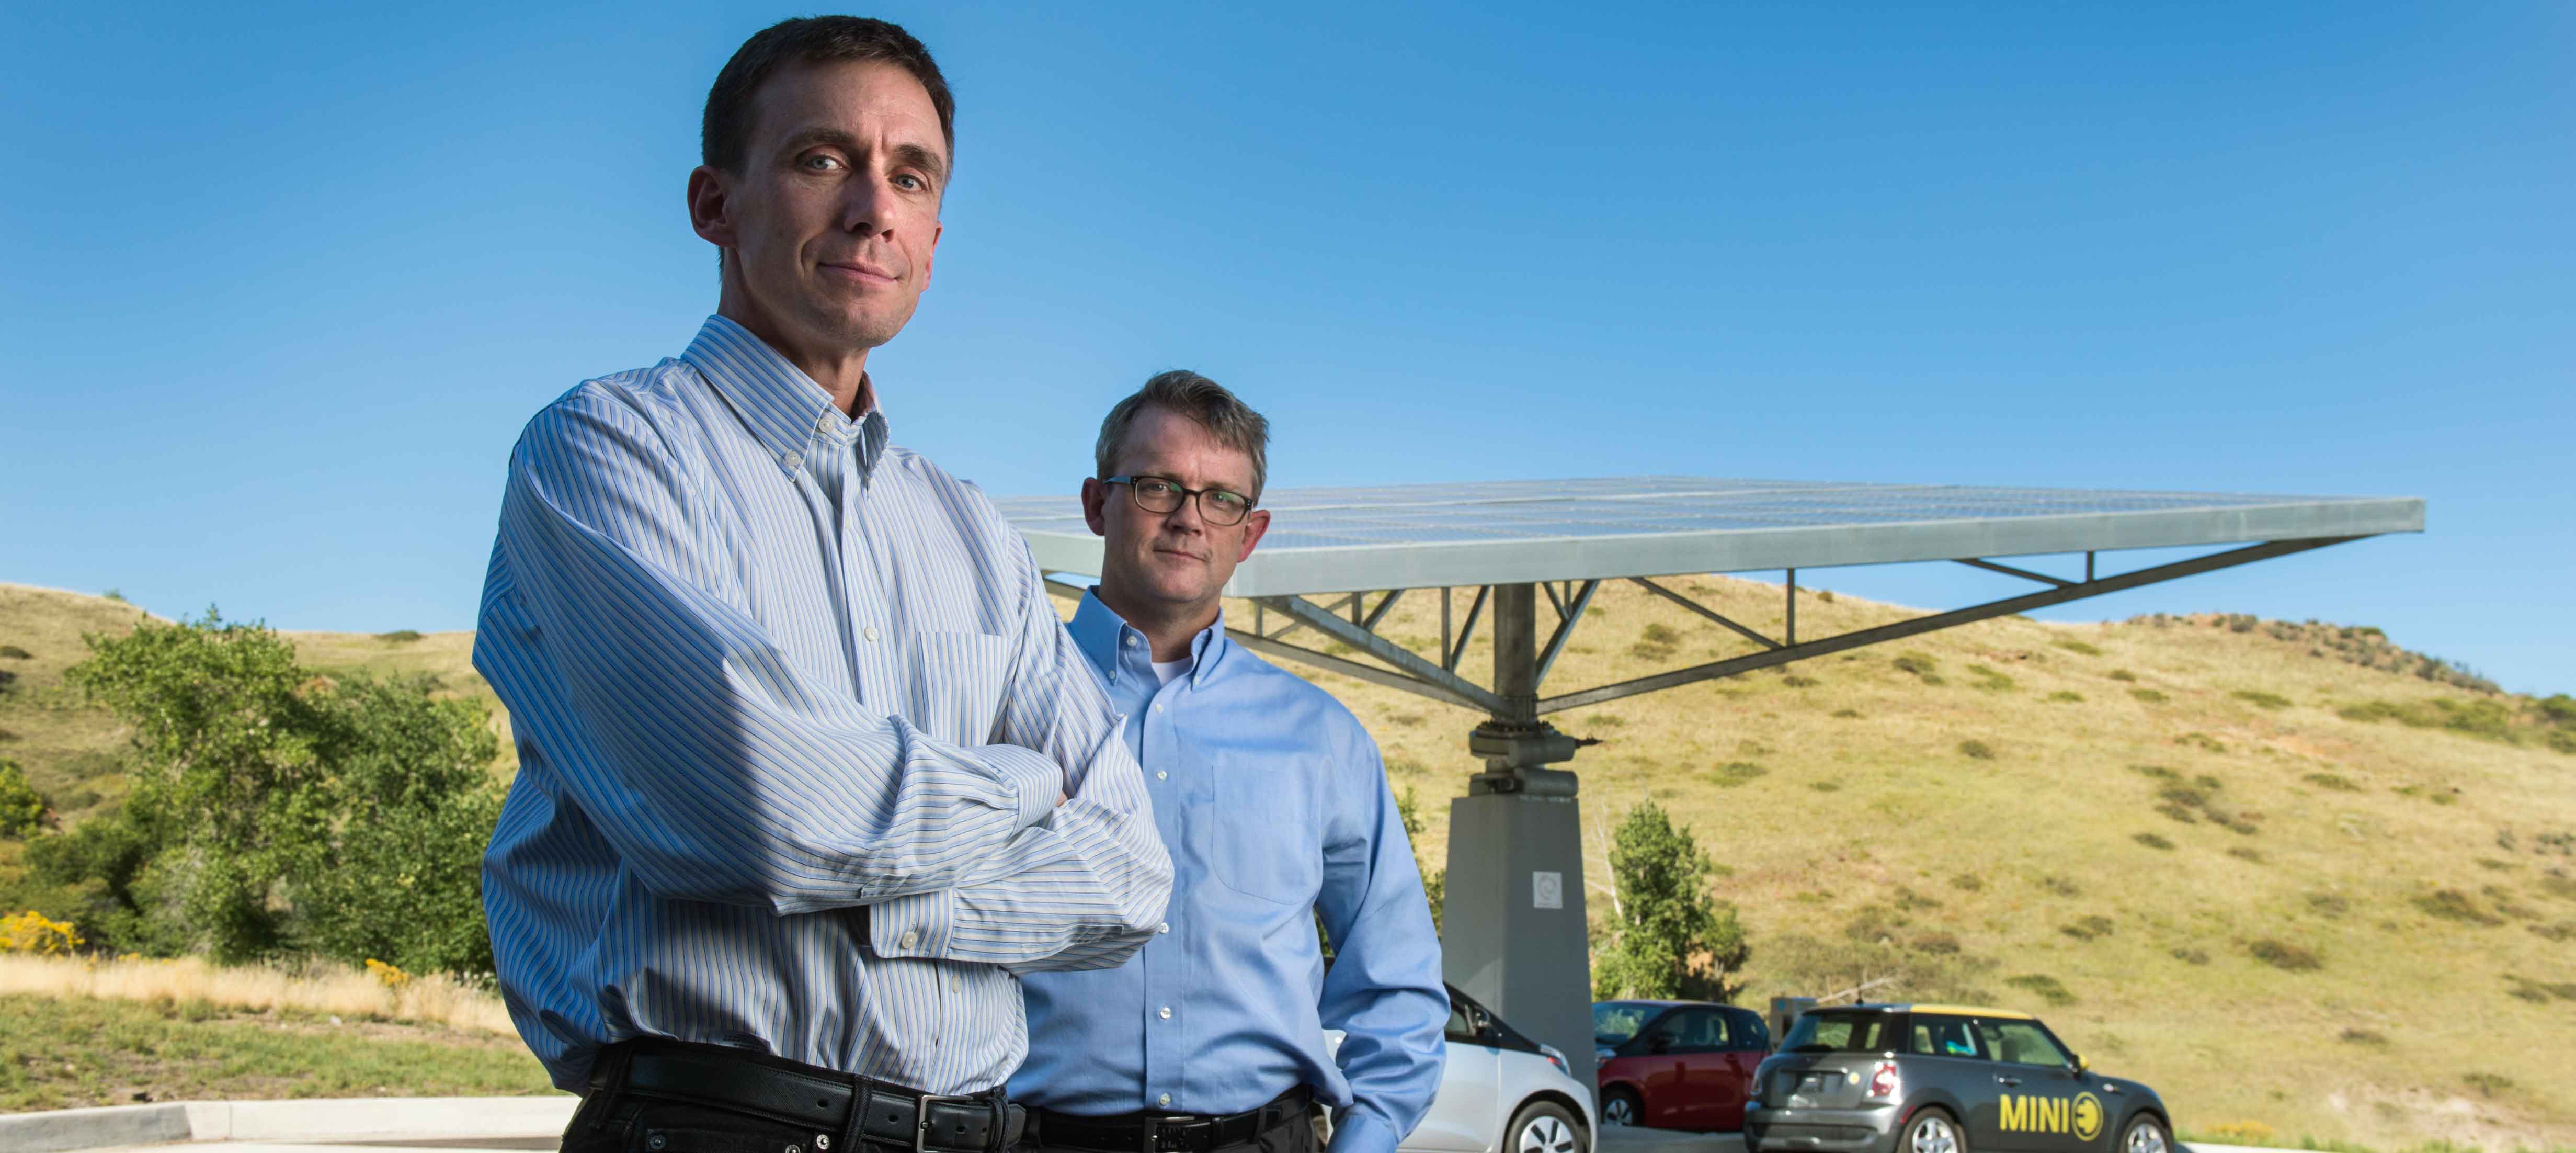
1163	495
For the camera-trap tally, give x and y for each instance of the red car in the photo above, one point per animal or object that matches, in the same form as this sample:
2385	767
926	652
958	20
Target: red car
1677	1064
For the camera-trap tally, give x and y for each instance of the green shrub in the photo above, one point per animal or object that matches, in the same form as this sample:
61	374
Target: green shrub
1976	750
2286	957
2454	905
2487	1084
2043	986
275	811
2148	696
2365	1037
1847	714
2152	841
1990	680
1671	939
2123	675
2340	784
15	653
2260	699
2246	853
2073	646
22	809
1825	786
2062	696
1796	681
2202	741
2190	956
2329	905
399	636
1915	663
2060	886
1658	634
1967	881
2087	928
2486	719
1734	773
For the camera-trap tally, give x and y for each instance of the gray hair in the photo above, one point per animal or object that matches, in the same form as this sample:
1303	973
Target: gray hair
1231	421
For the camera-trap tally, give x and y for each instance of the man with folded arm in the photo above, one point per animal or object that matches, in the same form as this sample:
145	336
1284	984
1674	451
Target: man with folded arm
809	773
1276	810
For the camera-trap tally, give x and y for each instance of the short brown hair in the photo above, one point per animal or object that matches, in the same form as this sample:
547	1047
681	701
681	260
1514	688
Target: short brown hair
724	133
1225	416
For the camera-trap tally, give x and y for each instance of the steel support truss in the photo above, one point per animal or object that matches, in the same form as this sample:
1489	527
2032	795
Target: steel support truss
1512	700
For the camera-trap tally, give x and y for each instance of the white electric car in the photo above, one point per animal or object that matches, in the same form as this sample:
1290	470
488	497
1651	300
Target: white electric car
1500	1092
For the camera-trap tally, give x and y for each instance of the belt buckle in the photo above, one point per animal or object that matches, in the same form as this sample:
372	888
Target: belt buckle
1152	1123
921	1119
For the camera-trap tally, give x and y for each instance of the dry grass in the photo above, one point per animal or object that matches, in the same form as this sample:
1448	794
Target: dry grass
320	988
2040	836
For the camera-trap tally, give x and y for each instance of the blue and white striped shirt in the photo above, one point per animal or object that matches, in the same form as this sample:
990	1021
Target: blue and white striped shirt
793	713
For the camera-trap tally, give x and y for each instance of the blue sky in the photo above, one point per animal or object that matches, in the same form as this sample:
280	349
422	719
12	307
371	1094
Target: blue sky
281	286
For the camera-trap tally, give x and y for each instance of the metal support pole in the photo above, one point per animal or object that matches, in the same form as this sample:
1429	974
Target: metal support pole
1792	630
1513	920
1516	652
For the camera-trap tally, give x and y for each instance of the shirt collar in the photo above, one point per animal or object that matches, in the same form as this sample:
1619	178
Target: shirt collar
1101	634
785	410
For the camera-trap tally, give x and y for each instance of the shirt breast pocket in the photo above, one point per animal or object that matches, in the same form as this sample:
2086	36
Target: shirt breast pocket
1265	842
954	683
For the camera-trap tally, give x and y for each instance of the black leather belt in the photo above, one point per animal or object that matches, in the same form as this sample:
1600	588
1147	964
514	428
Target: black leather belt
1168	1132
843	1106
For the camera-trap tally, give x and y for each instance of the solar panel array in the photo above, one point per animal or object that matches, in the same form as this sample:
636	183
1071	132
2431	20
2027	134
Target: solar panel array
1337	539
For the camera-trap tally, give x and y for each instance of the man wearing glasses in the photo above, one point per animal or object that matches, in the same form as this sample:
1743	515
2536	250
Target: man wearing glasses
1276	811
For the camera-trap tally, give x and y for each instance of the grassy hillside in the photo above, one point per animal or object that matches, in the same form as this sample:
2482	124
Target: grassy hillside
2290	889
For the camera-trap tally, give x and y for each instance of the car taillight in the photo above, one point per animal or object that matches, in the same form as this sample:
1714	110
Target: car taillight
1882	1082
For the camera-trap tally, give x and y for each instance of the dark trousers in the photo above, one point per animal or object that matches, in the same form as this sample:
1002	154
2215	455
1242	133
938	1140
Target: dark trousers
701	1116
614	1122
1295	1135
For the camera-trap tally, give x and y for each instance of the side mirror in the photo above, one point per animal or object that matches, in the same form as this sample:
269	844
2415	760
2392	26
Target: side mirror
2078	1062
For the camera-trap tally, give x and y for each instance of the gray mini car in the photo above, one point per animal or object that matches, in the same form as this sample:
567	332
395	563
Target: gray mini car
1942	1079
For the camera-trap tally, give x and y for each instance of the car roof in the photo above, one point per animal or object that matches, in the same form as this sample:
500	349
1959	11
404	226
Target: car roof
1652	1001
1954	1010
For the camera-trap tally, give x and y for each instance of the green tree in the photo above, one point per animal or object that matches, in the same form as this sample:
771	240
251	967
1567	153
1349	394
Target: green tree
22	809
276	810
1668	936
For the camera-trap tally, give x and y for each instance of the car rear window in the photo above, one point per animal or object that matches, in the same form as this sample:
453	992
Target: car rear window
1613	1022
1825	1031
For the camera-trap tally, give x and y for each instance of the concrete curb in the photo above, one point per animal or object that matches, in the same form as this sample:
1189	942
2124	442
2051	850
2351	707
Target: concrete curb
351	1119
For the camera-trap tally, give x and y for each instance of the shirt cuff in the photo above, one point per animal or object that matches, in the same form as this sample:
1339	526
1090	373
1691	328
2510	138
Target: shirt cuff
1358	1132
1036	781
915	926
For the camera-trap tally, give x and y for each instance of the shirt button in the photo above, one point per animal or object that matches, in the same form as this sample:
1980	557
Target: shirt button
870	632
1131	640
1161	775
908	938
1165	1099
1158	706
1166	1012
956	984
1165	927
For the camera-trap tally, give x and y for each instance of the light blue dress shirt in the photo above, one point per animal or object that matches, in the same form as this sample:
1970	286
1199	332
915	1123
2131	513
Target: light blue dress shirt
1275	808
793	712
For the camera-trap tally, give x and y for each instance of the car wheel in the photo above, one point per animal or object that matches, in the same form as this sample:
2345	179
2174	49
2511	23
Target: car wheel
1544	1127
1621	1107
1932	1131
2145	1135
